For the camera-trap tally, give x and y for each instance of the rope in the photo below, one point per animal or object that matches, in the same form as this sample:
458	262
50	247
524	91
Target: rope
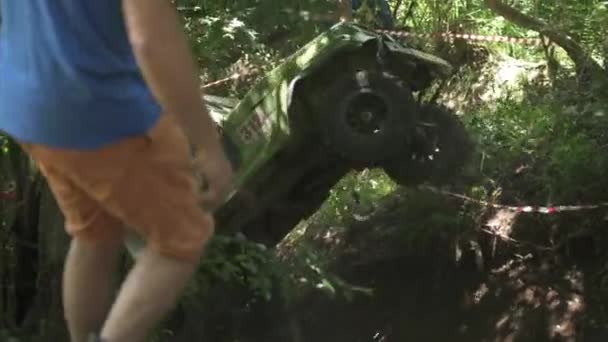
465	36
519	209
403	34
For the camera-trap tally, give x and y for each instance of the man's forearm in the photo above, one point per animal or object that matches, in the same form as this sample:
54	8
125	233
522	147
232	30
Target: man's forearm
164	57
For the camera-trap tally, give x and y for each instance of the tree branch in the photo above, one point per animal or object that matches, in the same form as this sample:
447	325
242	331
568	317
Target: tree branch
397	7
584	63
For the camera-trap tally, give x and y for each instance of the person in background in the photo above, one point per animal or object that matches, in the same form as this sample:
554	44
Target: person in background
384	17
104	97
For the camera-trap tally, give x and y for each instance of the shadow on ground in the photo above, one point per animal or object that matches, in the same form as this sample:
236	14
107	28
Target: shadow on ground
498	291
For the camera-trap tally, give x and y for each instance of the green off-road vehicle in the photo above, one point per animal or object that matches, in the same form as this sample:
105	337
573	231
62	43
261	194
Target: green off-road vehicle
343	101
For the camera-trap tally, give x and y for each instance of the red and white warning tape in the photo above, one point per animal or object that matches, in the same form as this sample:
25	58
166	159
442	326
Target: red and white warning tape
465	36
12	195
234	77
333	17
402	34
8	195
216	83
520	209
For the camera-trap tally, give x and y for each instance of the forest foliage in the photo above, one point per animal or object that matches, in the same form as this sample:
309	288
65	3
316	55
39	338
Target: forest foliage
546	147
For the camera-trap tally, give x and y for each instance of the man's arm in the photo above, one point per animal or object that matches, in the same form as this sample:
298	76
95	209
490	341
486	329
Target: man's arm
164	57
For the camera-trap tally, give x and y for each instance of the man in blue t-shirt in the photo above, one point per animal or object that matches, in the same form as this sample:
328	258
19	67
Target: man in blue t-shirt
104	96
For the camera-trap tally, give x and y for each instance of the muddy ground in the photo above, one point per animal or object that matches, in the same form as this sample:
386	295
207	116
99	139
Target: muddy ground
435	279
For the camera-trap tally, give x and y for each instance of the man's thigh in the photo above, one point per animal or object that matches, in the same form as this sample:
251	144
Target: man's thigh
146	183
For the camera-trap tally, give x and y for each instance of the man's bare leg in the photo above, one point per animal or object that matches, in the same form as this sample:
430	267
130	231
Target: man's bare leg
150	291
88	285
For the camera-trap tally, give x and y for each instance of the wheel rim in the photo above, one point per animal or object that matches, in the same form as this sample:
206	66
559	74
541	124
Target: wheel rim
440	149
366	113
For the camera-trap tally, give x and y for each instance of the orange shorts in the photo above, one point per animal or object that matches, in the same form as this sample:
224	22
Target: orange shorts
145	183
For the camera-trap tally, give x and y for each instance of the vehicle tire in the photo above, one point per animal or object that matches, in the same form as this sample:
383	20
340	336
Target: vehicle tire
440	149
368	116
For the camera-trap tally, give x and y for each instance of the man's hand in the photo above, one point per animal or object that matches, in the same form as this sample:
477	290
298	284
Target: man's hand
217	175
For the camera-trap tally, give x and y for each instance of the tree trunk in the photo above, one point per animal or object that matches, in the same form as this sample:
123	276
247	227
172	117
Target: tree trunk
397	7
33	247
605	48
25	232
586	67
13	176
47	310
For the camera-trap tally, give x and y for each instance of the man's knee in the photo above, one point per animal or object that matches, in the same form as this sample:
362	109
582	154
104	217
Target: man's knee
186	240
98	251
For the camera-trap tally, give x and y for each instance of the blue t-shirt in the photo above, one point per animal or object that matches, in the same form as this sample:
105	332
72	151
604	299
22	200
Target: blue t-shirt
68	76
